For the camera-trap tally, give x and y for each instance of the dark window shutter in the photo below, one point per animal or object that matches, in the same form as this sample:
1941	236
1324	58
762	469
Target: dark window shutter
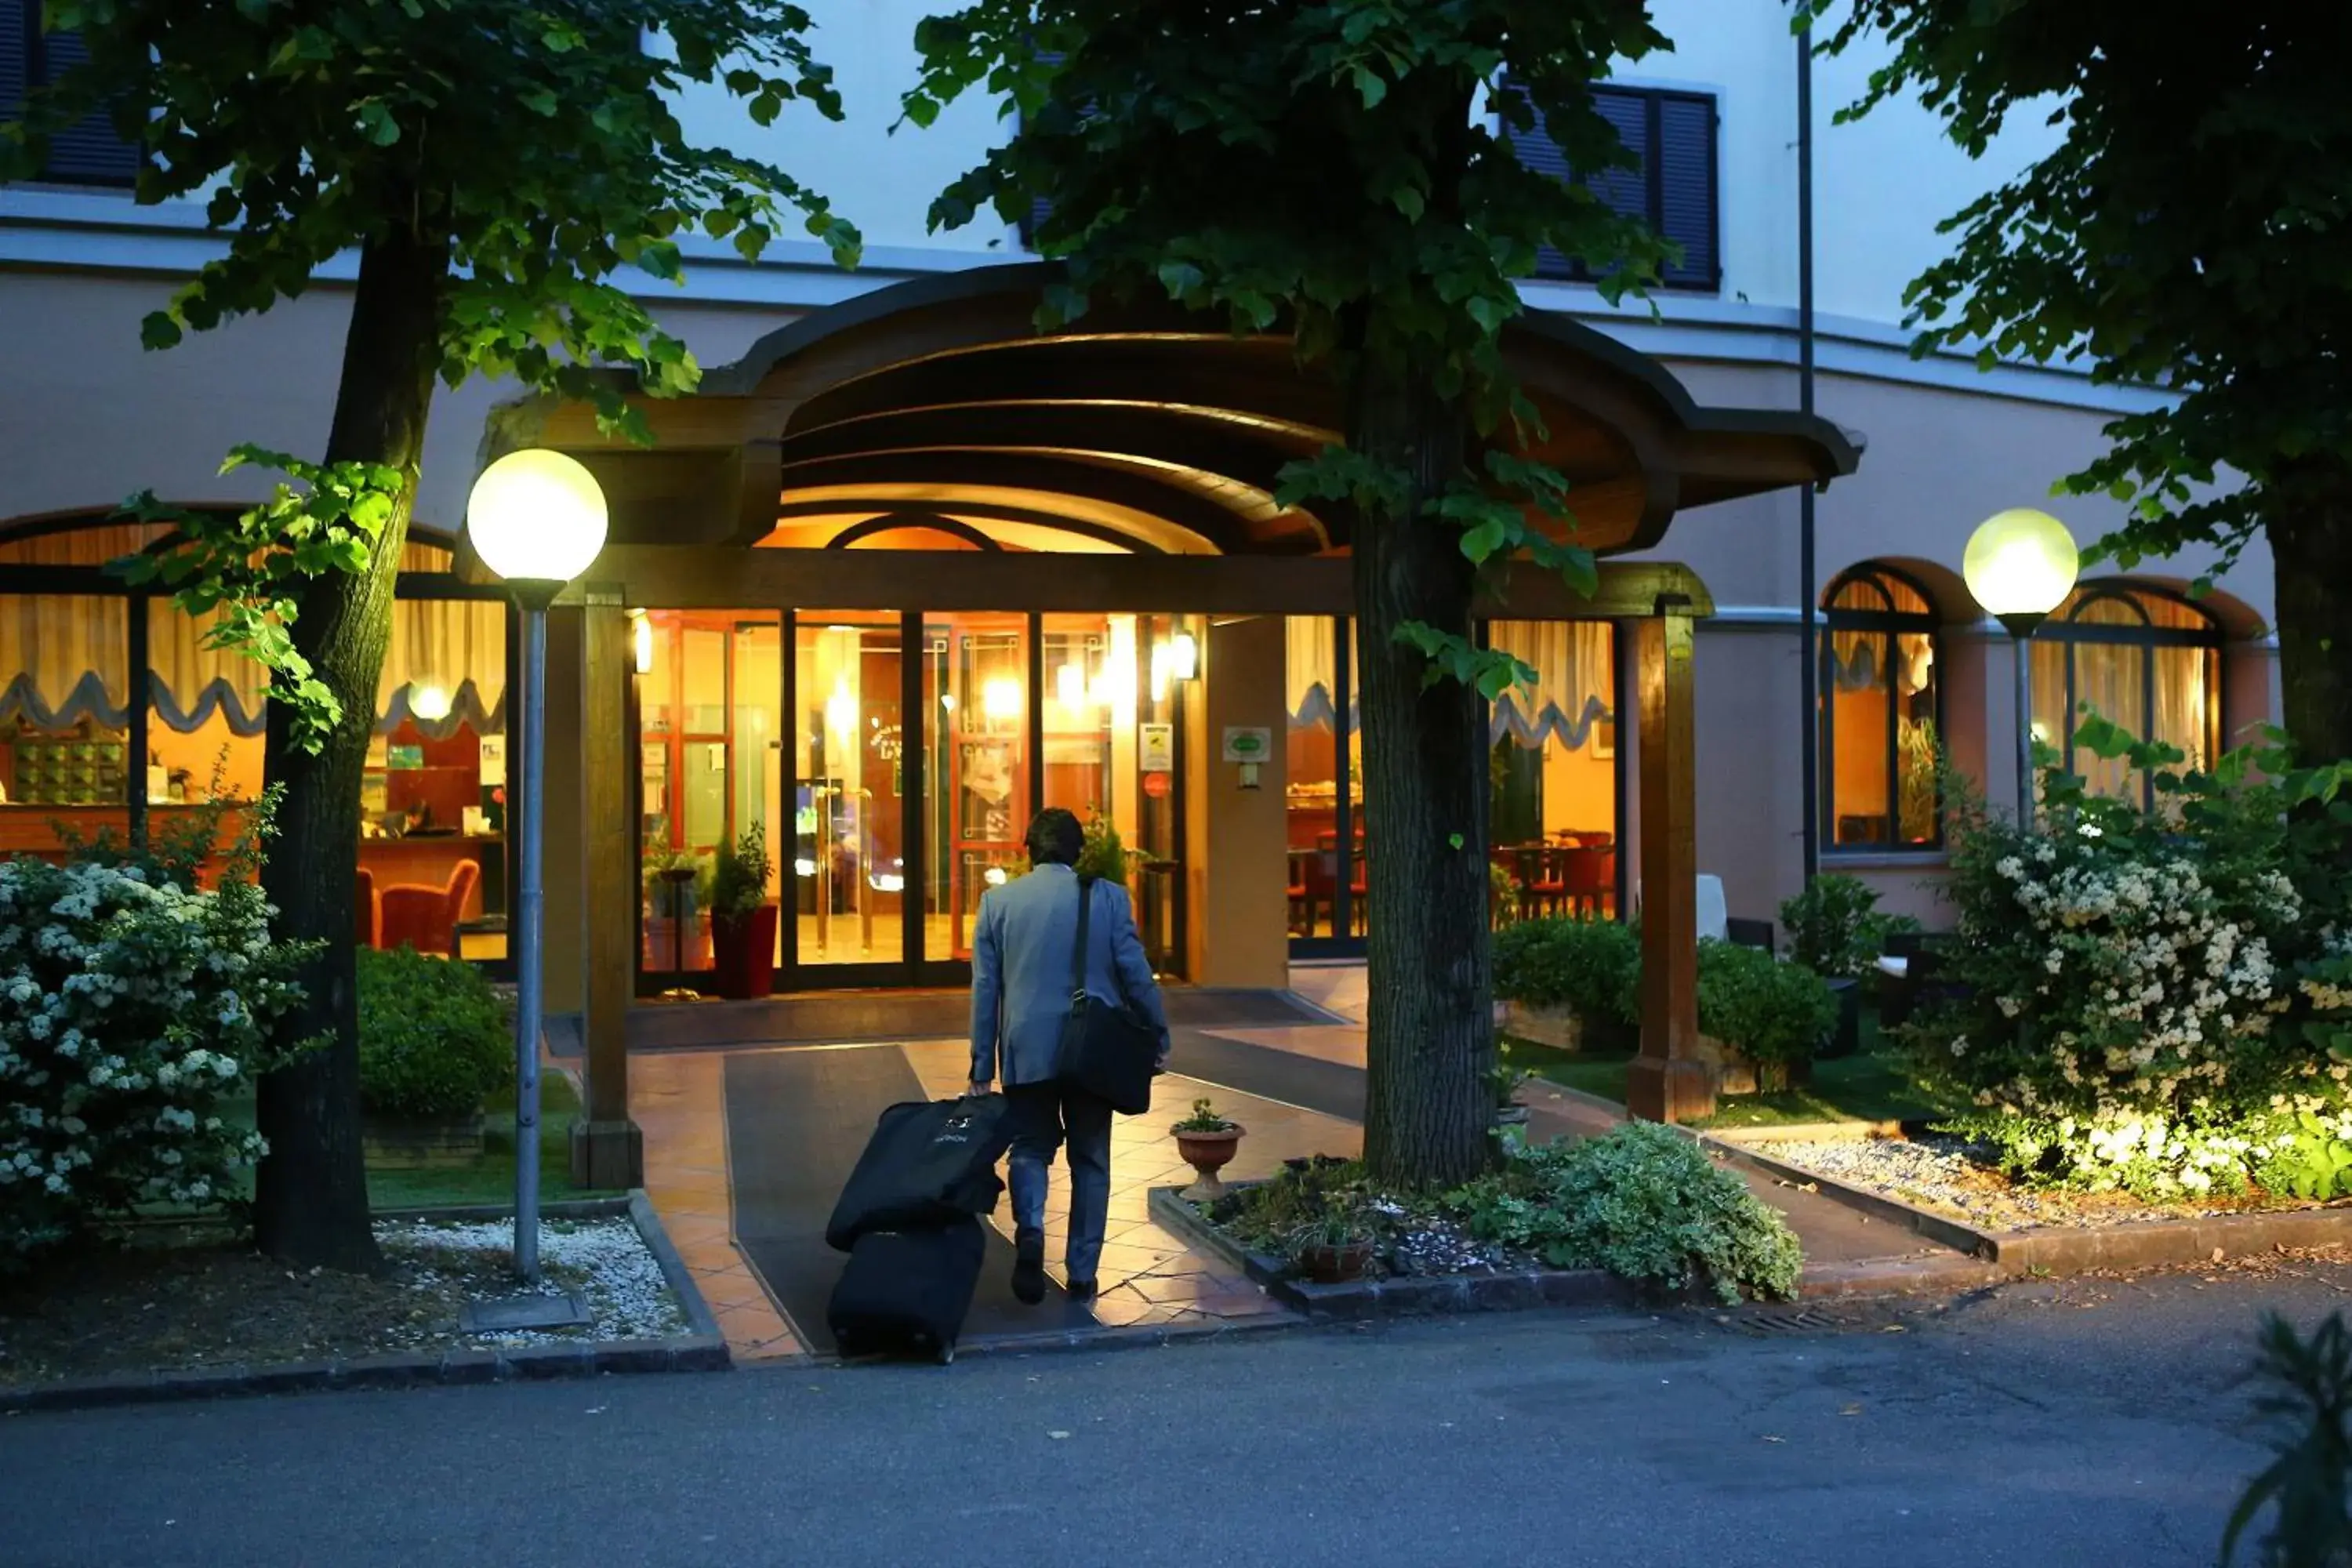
1687	194
16	55
89	153
1673	188
1627	191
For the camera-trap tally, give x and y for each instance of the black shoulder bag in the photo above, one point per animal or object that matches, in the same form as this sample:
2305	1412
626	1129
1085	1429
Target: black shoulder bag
1106	1049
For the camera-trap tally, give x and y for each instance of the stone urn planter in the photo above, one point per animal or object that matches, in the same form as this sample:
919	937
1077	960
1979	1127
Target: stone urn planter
400	1143
1207	1142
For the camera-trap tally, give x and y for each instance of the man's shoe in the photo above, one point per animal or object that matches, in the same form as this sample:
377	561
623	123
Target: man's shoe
1029	1269
1080	1289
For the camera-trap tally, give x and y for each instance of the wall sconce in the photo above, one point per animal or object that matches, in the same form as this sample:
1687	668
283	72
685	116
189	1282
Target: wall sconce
641	637
1184	655
1000	698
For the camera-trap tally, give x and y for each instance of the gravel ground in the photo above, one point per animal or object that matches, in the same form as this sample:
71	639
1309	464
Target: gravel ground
183	1301
1950	1177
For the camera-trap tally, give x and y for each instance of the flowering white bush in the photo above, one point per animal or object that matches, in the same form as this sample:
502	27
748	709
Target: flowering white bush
129	1007
2156	1000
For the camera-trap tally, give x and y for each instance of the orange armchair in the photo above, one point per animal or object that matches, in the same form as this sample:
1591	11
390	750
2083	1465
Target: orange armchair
425	918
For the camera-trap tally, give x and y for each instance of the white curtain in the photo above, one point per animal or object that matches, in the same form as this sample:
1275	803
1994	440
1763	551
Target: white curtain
1575	684
63	659
1311	662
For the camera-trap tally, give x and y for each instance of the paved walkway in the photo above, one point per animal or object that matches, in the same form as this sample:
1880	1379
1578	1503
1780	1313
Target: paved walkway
1298	1089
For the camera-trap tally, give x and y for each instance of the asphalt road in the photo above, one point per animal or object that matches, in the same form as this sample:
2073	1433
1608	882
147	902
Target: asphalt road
2086	1423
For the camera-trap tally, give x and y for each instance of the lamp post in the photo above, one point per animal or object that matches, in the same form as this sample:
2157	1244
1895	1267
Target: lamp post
2020	565
537	518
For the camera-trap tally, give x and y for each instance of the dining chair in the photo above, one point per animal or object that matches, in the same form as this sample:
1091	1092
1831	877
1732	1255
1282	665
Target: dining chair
1588	878
363	913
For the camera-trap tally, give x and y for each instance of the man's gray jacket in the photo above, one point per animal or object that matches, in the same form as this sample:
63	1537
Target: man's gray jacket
1021	971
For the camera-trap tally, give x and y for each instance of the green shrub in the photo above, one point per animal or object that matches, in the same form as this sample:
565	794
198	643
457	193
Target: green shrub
435	1040
2159	1002
1762	1008
1644	1202
1592	966
1835	929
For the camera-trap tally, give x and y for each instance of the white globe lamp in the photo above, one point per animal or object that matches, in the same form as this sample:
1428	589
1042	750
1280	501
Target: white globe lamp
2021	564
538	520
537	516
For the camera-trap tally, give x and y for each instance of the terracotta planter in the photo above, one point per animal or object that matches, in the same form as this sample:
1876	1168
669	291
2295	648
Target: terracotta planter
744	949
1328	1264
1207	1154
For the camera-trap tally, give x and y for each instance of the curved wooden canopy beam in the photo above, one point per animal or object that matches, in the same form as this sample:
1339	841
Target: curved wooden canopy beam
911	514
942	481
1253	375
1248	452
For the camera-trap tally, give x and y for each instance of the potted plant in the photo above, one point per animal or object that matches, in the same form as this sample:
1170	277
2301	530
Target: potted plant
1335	1248
435	1041
1836	930
1507	1081
677	890
742	920
1207	1141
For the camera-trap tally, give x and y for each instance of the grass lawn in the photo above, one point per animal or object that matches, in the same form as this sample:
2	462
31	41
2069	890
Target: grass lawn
1865	1087
490	1179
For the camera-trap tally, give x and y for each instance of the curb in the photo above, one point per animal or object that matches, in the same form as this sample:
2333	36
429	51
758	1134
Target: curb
2070	1249
1409	1298
702	1348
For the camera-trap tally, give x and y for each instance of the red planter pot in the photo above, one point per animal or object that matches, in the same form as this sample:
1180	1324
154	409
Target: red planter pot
744	949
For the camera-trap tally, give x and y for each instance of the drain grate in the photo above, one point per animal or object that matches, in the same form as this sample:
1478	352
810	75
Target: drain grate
1763	1322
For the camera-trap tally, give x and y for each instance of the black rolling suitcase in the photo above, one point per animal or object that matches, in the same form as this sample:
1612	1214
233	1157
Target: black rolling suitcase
905	1292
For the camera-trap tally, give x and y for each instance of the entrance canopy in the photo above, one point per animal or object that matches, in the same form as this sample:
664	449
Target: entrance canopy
934	415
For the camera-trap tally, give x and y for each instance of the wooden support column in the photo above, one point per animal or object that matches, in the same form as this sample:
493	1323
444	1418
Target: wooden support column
607	1149
1668	1081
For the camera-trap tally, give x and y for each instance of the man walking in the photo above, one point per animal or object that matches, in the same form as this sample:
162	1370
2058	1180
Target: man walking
1021	965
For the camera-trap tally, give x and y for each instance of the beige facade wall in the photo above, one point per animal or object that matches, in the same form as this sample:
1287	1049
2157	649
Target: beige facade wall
88	417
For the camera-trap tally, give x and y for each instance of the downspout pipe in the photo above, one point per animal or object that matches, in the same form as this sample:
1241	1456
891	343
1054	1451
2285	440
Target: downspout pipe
1808	586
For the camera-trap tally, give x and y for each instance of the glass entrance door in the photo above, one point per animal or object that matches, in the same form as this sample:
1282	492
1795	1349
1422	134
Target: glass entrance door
890	764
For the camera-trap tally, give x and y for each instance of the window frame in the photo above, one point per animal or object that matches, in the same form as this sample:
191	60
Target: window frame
2066	628
1553	267
98	581
1889	625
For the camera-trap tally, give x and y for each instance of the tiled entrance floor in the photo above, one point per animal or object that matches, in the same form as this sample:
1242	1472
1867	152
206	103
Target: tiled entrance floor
1150	1277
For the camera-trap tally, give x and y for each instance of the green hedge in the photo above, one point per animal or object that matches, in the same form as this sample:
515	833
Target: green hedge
1592	966
435	1040
1759	1007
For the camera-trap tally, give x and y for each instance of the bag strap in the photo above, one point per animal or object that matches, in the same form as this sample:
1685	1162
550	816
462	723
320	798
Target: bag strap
1078	947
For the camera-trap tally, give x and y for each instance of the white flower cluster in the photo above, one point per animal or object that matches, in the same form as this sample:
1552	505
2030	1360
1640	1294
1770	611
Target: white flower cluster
2145	1009
130	1008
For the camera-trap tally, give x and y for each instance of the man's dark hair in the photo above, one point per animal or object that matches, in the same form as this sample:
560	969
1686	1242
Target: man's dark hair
1056	838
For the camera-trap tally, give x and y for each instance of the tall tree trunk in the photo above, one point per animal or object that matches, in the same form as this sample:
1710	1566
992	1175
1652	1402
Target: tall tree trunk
312	1203
1429	1025
2309	522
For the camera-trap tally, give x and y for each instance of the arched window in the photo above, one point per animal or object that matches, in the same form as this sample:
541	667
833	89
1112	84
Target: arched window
1880	713
2150	660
